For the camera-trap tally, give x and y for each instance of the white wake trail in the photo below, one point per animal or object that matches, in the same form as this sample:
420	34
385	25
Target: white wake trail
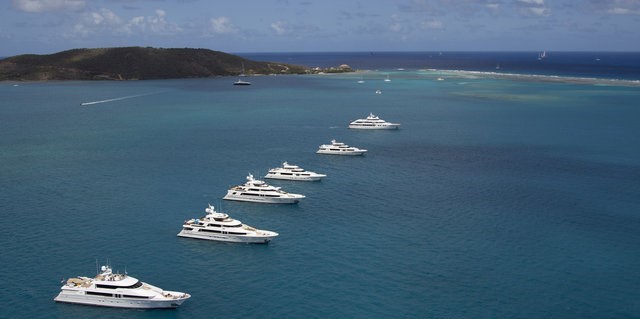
116	99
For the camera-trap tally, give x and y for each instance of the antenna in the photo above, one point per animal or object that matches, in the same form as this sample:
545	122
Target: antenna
97	273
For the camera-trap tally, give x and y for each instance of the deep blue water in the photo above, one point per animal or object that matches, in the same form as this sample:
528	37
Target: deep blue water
496	198
618	65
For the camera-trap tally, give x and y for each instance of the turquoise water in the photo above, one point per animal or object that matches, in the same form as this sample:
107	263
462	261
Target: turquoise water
496	198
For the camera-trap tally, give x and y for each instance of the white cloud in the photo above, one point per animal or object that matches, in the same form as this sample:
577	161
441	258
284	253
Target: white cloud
624	7
154	24
37	6
279	27
136	21
622	11
105	17
222	25
434	24
105	21
396	23
79	30
158	24
618	10
543	12
534	8
533	2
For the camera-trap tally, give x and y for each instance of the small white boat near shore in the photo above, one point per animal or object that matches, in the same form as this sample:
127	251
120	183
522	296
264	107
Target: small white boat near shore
241	82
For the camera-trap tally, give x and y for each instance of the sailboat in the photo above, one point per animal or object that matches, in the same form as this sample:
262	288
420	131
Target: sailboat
387	79
240	81
542	55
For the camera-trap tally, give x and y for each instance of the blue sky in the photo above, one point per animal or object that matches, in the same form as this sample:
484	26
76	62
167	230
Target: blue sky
47	26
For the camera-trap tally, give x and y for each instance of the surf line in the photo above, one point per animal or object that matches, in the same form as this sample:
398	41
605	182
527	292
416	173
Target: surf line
116	99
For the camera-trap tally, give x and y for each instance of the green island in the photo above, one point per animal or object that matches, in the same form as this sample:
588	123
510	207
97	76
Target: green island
140	63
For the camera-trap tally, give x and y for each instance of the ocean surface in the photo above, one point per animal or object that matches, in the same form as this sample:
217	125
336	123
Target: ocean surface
501	196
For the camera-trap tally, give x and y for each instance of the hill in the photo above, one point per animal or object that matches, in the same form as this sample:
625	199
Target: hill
134	63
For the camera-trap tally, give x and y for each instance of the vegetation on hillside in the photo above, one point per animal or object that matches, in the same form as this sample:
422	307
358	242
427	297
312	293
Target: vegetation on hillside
134	63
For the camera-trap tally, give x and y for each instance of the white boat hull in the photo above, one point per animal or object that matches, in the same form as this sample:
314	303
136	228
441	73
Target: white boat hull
296	178
263	199
375	127
352	153
78	297
255	239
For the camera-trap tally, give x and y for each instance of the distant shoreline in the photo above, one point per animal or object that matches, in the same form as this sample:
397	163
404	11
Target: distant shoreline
539	77
461	74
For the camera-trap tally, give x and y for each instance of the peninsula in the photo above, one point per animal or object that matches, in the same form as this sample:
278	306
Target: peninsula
135	63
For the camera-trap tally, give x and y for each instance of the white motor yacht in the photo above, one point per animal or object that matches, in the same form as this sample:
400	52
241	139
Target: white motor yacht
373	122
338	148
258	191
293	173
219	226
118	290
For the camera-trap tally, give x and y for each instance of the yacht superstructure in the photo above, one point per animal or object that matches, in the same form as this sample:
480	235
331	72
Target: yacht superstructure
110	289
293	173
258	191
219	226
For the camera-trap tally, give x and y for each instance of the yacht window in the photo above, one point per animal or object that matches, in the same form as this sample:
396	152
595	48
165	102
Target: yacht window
132	296
95	293
134	286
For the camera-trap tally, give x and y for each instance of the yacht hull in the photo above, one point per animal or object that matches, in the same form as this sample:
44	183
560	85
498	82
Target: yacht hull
79	298
296	178
227	238
375	127
262	199
348	153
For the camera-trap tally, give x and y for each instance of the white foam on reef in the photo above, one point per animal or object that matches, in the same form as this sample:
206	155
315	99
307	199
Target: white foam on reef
114	99
539	78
